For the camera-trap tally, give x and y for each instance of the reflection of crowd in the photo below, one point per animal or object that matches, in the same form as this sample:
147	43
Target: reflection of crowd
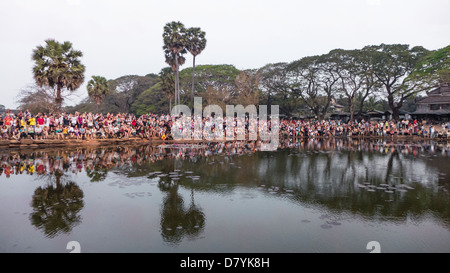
92	126
381	146
77	160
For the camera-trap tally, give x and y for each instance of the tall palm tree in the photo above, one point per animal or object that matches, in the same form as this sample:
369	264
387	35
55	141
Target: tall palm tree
174	46
195	45
167	84
58	65
172	60
98	88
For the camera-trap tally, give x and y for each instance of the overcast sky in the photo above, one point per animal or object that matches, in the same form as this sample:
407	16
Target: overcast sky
124	37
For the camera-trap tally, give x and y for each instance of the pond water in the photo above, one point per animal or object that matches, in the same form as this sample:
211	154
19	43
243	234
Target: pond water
309	196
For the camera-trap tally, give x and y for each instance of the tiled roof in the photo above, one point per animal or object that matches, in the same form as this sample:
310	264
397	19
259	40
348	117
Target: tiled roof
429	112
440	90
435	100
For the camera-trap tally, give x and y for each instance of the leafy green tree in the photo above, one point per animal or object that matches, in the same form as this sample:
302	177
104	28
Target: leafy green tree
196	43
313	80
58	65
345	64
247	88
434	69
356	76
373	104
218	77
371	86
393	65
272	79
175	41
125	90
98	88
158	98
167	84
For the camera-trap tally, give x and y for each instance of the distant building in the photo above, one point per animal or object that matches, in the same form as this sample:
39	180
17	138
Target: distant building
436	105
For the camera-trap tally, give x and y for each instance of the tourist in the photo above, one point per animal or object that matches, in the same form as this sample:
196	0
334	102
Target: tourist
4	132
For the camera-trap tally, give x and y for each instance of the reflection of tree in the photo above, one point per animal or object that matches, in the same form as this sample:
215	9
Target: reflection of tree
176	221
195	218
390	165
97	174
56	207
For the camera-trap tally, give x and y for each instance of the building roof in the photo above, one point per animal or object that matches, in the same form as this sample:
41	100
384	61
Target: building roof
435	100
436	112
375	112
444	89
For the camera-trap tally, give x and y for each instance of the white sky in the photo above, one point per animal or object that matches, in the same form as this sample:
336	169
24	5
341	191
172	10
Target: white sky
124	37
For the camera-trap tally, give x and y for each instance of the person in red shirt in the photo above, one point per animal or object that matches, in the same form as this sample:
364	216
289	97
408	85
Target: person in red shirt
40	121
8	122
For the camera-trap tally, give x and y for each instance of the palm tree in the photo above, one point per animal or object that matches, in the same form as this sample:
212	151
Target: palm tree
174	46
372	104
98	88
195	45
171	60
167	84
58	66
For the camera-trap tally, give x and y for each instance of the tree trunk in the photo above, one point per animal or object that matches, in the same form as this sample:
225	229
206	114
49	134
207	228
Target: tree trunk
396	113
176	80
395	108
318	113
350	108
361	106
193	77
58	98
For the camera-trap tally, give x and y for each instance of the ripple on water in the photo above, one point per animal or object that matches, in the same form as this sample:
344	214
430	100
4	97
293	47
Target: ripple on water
334	223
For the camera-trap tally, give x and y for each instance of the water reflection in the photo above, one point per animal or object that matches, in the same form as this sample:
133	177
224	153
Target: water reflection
177	221
389	181
57	206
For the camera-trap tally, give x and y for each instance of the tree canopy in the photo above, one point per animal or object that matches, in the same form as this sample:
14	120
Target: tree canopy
382	77
58	65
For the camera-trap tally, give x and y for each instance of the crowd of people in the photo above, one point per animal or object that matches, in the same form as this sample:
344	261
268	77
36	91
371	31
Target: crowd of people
381	128
87	126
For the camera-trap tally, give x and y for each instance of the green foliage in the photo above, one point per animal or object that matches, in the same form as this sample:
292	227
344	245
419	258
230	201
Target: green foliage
175	42
98	88
125	90
151	100
393	66
361	78
434	68
58	65
196	41
216	76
